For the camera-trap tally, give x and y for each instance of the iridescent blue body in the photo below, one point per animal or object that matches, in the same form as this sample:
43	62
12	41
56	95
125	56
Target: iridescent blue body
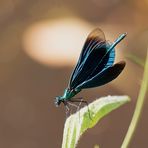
95	66
68	94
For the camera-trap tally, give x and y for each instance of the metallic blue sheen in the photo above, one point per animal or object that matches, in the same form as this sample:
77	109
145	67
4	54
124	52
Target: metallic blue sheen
95	66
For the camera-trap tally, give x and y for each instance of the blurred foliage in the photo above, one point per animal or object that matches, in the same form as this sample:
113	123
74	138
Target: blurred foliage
139	106
135	59
96	146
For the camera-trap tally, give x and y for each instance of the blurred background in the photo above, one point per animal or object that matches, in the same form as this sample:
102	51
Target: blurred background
40	42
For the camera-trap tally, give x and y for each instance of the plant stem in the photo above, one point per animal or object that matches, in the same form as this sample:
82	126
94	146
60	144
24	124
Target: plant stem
138	108
136	59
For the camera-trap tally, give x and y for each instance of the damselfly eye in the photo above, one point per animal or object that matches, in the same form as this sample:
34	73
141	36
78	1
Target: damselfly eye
57	101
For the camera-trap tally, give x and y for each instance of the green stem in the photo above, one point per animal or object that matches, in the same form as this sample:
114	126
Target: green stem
136	59
138	109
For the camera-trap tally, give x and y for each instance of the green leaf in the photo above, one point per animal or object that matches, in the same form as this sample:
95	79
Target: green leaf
79	122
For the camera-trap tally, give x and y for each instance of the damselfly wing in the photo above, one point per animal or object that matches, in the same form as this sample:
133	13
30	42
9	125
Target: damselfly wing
95	66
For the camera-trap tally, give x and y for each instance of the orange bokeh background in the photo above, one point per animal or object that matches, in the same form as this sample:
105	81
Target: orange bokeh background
40	42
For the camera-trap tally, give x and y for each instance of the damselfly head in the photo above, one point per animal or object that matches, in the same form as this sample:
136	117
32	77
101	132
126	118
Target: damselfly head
57	101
